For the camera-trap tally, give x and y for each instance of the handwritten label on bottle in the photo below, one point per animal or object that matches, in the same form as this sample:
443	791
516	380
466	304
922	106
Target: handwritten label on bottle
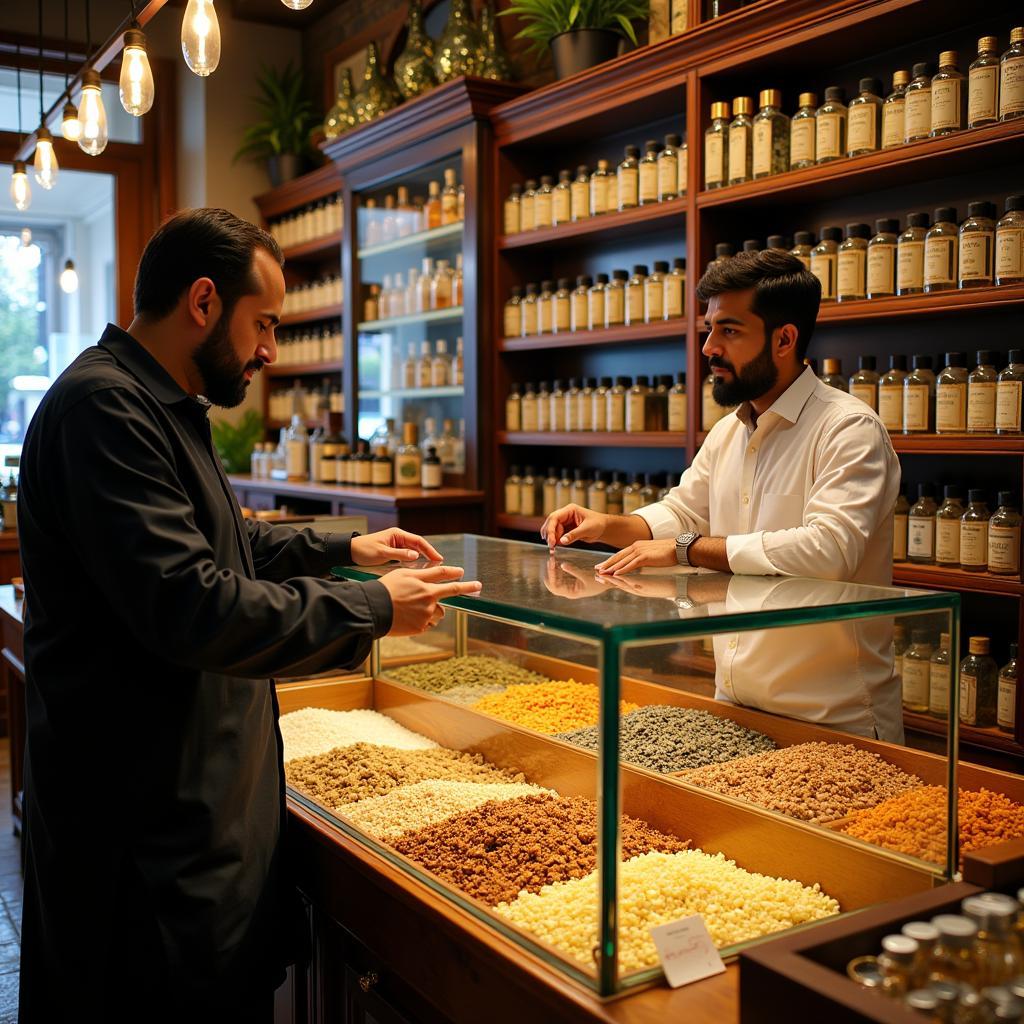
1008	405
893	124
968	699
938	697
881	269
976	256
714	156
918	114
828	137
1006	709
981	95
947	541
1011	86
916	681
950	408
910	266
1009	253
974	544
939	261
981	406
823	267
850	275
946	105
801	141
890	407
915	407
862	134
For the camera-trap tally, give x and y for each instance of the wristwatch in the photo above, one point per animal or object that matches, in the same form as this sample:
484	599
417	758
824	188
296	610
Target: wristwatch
683	542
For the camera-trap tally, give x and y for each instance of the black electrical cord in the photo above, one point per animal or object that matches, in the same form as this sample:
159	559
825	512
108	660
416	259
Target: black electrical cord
41	62
17	57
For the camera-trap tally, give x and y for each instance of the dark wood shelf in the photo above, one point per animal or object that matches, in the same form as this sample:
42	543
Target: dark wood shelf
991	738
960	300
309	315
401	496
593	438
315	249
659	330
938	577
958	444
302	369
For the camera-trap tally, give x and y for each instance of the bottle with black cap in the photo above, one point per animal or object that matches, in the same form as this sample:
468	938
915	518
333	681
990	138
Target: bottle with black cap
851	266
881	278
561	205
865	118
597	296
974	532
918	104
556	413
579	303
1004	536
951	395
919	397
723	251
948	96
890	394
617	404
977	245
921	526
981	394
803	243
677	404
1010	243
636	405
864	383
674	302
613	495
430	472
585	404
668	169
599	405
543	203
635	289
648	187
560	307
615	299
741	141
752	245
830	126
947	526
777	242
910	255
940	252
1010	394
824	257
579	194
513	484
550	499
628	180
1006	707
563	494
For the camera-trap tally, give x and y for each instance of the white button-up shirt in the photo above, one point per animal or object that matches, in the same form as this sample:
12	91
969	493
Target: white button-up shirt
806	491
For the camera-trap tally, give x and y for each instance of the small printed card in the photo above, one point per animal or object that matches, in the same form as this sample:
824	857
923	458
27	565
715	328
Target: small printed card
686	951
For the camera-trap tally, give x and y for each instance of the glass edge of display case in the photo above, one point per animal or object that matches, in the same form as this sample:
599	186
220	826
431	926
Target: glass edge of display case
411	319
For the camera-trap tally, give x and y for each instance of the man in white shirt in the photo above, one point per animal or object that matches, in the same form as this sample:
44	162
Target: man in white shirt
800	480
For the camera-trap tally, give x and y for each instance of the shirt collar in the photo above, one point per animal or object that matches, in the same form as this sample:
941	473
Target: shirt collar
140	364
789	404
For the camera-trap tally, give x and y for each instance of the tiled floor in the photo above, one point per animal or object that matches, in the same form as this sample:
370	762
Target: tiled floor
10	898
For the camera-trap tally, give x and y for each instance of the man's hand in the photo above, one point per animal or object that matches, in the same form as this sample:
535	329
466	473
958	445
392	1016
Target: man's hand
416	593
571	523
565	580
392	545
638	554
664	587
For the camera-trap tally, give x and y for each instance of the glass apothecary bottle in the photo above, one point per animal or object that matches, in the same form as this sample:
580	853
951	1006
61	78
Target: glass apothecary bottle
636	288
1004	536
1006	706
894	112
675	289
832	374
979	685
579	304
602	184
677	405
824	258
947	526
921	527
654	292
917	672
983	84
940	252
881	270
974	533
561	201
803	243
527	205
513	409
864	383
544	406
543	203
668	169
771	135
981	394
563	492
648	173
616	415
741	141
900	520
530	496
529	311
1009	260
599	405
561	303
513	315
947	96
597	493
596	302
716	149
851	264
830	126
1011	77
615	299
951	395
910	255
977	246
918	108
529	405
513	483
940	681
579	193
1010	394
803	133
636	405
627	179
864	118
919	397
550	491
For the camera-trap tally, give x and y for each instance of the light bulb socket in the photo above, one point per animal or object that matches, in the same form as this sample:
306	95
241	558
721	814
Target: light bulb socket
91	79
69	265
20	167
135	37
43	134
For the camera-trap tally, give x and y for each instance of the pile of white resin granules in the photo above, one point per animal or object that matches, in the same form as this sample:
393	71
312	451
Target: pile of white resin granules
313	731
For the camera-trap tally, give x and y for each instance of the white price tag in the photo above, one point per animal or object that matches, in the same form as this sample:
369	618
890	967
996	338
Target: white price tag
686	951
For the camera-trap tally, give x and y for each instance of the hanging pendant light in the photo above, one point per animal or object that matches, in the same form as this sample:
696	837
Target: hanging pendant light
45	161
92	114
21	191
69	278
296	5
70	126
26	237
136	74
200	37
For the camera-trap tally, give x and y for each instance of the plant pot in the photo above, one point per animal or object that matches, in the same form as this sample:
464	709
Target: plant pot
283	167
582	48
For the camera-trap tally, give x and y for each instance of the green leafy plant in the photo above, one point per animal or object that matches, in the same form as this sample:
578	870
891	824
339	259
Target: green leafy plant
287	117
546	19
235	442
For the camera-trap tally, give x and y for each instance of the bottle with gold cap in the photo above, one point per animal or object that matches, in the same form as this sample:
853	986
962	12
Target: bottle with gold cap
741	141
802	133
864	118
1011	77
832	374
983	84
947	96
979	685
893	120
771	135
716	150
409	458
830	126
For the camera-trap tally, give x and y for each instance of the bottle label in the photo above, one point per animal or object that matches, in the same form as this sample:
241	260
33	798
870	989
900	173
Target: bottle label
921	537
529	414
629	185
635	303
823	267
648	182
974	544
673	295
950	408
635	409
1009	253
512	497
1006	710
714	159
598	412
981	95
918	113
899	538
939	261
614	305
579	199
449	207
542	210
910	266
668	176
739	152
947	541
801	141
867	393
1011	86
861	129
579	312
513	321
881	269
599	193
654	298
1004	549
976	256
828	141
511	217
544	412
616	412
915	407
893	124
946	104
850	275
762	148
938	697
916	681
684	169
529	317
981	405
597	500
407	469
596	301
677	411
561	207
561	312
890	407
512	414
584	408
968	698
528	499
1008	405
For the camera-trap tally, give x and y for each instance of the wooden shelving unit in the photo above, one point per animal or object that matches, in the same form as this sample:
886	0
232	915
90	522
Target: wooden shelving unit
326	366
956	302
660	330
315	250
309	316
592	439
958	444
938	577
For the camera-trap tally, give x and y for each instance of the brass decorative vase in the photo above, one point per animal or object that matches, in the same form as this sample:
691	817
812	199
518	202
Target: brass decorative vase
496	64
414	68
377	95
342	115
460	49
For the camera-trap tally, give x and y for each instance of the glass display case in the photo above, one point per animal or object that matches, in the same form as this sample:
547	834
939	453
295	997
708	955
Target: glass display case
575	760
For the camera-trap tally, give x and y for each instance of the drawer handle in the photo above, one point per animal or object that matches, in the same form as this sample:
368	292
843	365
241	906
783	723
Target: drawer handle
368	980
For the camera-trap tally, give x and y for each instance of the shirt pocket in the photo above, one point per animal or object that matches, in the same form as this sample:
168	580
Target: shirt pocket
781	512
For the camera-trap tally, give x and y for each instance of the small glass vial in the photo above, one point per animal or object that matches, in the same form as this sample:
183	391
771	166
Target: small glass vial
780	242
947	96
771	135
890	394
741	141
1006	705
953	958
527	206
893	111
424	365
896	963
596	302
628	180
441	365
803	133
382	469
579	194
636	405
864	383
921	527
563	493
716	150
616	415
919	397
513	320
529	310
1010	243
910	255
430	472
851	268
830	126
918	109
585	404
561	303
580	486
599	405
977	245
602	194
832	375
864	118
677	405
579	304
561	199
449	198
803	243
1010	394
529	409
631	499
998	947
983	84
636	287
824	258
613	495
556	407
543	203
979	685
572	404
597	493
550	492
881	273
654	293
940	252
900	520
648	173
951	395
674	302
615	299
668	169
1011	77
939	684
974	533
917	672
947	527
981	395
514	409
529	498
1004	536
512	210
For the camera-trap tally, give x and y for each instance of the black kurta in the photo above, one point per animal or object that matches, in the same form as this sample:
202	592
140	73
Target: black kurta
155	616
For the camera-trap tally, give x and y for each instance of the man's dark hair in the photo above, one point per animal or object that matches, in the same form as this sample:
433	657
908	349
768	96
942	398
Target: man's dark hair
784	291
206	242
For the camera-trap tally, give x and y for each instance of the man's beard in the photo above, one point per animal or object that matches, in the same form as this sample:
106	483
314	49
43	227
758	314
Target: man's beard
222	372
757	378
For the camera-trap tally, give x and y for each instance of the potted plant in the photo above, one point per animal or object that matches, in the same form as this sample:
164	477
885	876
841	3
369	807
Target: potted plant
281	136
580	33
235	441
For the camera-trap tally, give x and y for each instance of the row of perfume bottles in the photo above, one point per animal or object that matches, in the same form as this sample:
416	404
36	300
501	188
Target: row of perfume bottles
436	285
656	177
971	538
309	346
316	220
588	403
529	494
306	402
431	368
556	307
390	458
920	106
311	295
401	216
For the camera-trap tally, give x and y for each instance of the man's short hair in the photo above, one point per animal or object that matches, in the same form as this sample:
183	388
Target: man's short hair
785	292
205	242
